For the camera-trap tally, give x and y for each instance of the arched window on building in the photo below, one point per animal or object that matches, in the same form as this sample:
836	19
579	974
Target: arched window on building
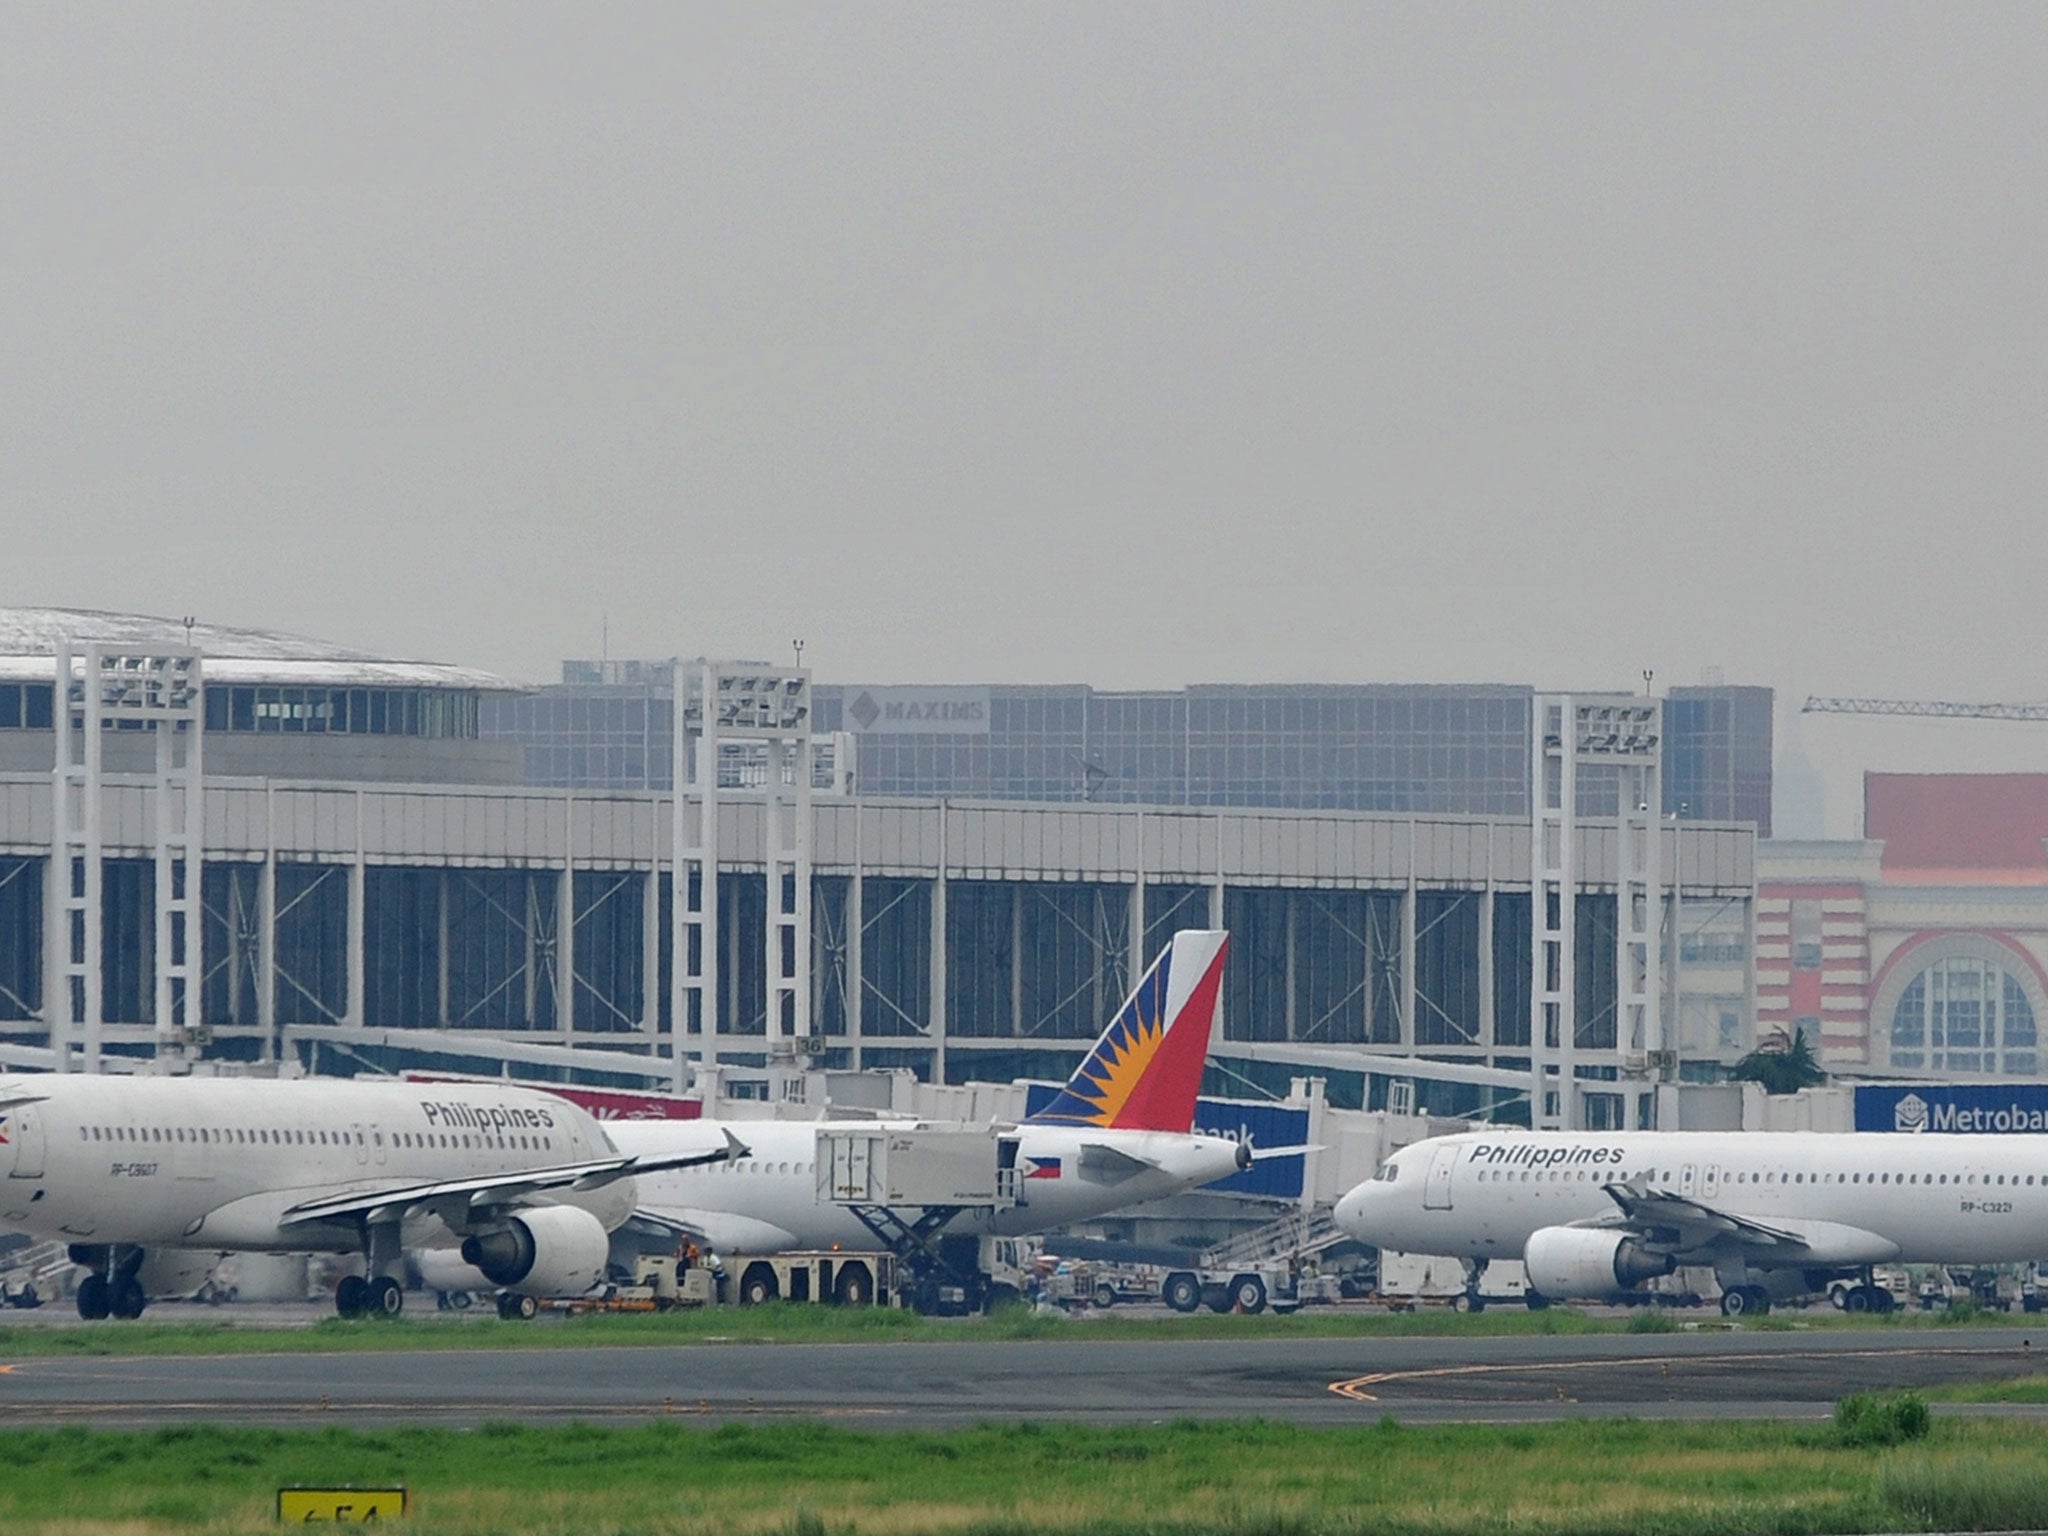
1965	1013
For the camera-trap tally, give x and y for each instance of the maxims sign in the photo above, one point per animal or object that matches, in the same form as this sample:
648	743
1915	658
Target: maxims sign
918	712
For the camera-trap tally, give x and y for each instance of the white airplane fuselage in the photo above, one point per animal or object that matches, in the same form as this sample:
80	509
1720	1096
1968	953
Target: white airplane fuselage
768	1201
1859	1198
214	1164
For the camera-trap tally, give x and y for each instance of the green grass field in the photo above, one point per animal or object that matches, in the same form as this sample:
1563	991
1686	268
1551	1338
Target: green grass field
780	1322
803	1477
789	1323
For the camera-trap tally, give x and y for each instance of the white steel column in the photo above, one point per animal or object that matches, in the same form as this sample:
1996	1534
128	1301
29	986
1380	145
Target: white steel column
650	951
266	930
786	855
856	943
1632	733
72	1003
1488	1035
164	691
355	1009
1136	946
936	1025
565	927
1553	888
1410	1023
693	866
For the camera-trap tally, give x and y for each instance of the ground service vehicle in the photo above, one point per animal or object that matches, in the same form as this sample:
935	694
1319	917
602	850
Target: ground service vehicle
828	1275
1246	1289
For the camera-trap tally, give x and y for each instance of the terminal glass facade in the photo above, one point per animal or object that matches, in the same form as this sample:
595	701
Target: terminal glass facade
1397	749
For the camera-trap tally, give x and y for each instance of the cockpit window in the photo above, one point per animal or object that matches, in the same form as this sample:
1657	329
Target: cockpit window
1389	1171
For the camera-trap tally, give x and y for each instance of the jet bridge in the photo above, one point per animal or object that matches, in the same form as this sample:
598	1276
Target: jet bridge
907	1183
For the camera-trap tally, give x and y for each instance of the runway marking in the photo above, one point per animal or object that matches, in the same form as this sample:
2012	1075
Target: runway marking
1354	1387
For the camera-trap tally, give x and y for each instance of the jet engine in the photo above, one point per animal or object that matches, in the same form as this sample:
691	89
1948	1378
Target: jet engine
1589	1263
550	1250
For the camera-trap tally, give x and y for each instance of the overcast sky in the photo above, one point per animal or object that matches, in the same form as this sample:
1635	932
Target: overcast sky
1135	345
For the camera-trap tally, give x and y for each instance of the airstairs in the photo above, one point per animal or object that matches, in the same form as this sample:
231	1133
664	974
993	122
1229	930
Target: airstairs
1299	1233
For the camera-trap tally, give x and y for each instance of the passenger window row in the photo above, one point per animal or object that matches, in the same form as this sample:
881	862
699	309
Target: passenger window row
276	1137
1670	1176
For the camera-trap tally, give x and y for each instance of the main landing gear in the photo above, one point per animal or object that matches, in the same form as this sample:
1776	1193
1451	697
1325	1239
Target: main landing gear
113	1288
382	1294
1745	1301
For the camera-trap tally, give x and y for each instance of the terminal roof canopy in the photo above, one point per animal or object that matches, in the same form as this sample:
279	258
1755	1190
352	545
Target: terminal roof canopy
29	638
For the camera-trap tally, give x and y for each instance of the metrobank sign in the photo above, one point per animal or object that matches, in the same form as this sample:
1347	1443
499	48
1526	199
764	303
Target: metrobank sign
1984	1109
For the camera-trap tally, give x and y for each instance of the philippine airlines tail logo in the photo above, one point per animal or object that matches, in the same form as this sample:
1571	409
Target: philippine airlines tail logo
1146	1069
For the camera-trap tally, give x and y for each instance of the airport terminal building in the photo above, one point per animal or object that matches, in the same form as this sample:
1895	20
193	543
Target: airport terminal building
375	880
1397	749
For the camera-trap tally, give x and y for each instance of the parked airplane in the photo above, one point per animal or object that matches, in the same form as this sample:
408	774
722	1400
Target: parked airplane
1596	1215
527	1185
1118	1134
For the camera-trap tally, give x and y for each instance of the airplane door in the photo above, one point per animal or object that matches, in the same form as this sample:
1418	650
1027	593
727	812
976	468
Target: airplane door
1687	1174
361	1144
377	1144
24	1127
1436	1186
1710	1181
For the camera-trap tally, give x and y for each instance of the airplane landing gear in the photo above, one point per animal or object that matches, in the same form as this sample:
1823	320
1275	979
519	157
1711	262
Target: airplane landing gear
1745	1300
1471	1301
381	1293
128	1297
352	1296
114	1288
94	1299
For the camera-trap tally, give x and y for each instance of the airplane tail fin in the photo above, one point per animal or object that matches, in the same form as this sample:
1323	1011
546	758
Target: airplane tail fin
1146	1069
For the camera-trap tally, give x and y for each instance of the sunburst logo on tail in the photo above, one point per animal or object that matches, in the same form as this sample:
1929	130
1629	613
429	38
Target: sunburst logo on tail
1116	1066
1146	1069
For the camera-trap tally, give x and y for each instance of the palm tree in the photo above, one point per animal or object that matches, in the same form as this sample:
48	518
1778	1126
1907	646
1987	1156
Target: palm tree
1781	1068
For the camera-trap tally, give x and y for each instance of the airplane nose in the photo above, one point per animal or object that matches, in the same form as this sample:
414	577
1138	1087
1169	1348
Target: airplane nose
1350	1212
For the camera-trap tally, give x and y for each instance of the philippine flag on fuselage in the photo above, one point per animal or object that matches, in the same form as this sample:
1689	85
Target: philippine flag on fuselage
1043	1168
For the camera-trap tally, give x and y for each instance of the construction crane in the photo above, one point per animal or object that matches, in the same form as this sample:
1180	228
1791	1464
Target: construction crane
1941	708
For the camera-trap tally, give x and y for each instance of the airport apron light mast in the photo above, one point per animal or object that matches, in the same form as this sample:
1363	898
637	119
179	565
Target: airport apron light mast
765	713
1618	737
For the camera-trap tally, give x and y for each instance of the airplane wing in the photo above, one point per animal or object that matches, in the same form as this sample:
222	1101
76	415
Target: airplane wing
495	1189
1687	1226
